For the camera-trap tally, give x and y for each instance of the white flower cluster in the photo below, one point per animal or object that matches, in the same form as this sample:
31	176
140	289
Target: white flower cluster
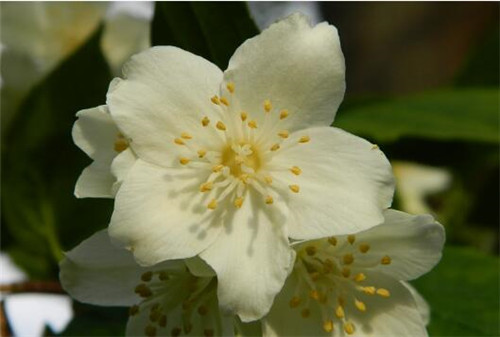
236	202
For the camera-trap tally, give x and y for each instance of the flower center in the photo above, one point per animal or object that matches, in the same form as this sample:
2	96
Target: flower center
241	159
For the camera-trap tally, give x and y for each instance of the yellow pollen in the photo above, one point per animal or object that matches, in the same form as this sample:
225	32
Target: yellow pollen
315	276
339	312
348	259
314	294
134	310
346	272
364	247
243	116
311	250
359	305
328	325
150	331
163	276
143	290
212	204
217	168
206	186
121	144
294	302
283	134
284	114
332	240
386	260
252	124
230	87
201	153
184	161
275	147
202	310
383	292
205	121
368	290
186	135
215	100
351	239
269	200
178	141
221	126
162	321
296	170
224	101
238	202
294	188
360	277
268	179
305	313
267	105
147	276
304	139
349	328
244	178
374	147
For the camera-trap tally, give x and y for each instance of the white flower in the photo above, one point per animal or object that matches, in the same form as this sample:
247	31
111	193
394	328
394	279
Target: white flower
231	165
355	284
164	300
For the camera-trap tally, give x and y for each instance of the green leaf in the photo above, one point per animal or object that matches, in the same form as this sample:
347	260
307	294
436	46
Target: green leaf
453	114
463	294
212	30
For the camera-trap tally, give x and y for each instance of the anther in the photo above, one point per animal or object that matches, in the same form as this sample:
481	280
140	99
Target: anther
349	328
221	126
215	100
205	187
163	276
134	310
346	272
154	315
205	121
147	276
217	168
294	302
360	277
364	247
375	147
304	139
121	144
360	305
212	204
284	114
269	200
294	188
208	332
311	250
252	124
243	116
305	313
184	161
314	294
179	141
238	202
332	240
162	321
339	312
347	259
176	332
202	310
224	101
143	290
268	179
267	105
351	239
150	331
368	290
296	170
230	87
275	147
186	135
383	292
201	153
328	325
386	260
283	134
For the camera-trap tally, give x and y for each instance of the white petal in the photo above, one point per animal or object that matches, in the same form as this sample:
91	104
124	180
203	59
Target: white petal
166	91
96	181
198	267
252	259
296	67
99	273
423	307
344	185
121	166
413	242
160	214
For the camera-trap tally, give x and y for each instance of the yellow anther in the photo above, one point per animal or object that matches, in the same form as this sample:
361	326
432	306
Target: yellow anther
217	168
205	121
364	247
311	250
224	101
294	188
332	240
243	116
360	305
296	170
284	114
347	259
154	315
150	331
147	276
143	290
375	147
294	302
244	178
386	260
230	87
304	139
383	292
163	276
368	290
238	202
201	153
360	277
179	141
215	100
208	332
283	134
305	313
121	144
267	105
212	204
314	294
269	200
184	161
176	332
328	266
339	312
134	310
275	147
349	328
346	272
268	179
206	186
202	310
315	276
162	321
186	135
252	124
328	325
221	126
351	239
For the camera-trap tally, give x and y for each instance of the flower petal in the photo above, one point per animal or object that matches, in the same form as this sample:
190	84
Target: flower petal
96	181
166	91
422	305
252	259
345	183
121	166
297	67
160	214
413	243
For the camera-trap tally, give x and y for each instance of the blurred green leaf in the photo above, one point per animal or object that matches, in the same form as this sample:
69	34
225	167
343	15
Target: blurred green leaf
463	294
212	30
453	114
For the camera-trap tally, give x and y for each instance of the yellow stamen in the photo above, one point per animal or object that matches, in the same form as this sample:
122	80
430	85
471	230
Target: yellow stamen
375	147
296	170
267	105
346	272
359	305
332	240
178	141
212	204
348	259
339	312
243	116
284	114
368	290
186	135
268	179
201	153
360	277
252	124
217	168
224	101
294	188
386	260
269	200
205	121
230	87
351	239
121	144
283	134
304	139
328	325
275	147
238	202
143	290
349	328
202	310
147	276
134	310
294	302
206	187
311	250
215	100
383	292
150	331
221	126
314	294
184	161
364	247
